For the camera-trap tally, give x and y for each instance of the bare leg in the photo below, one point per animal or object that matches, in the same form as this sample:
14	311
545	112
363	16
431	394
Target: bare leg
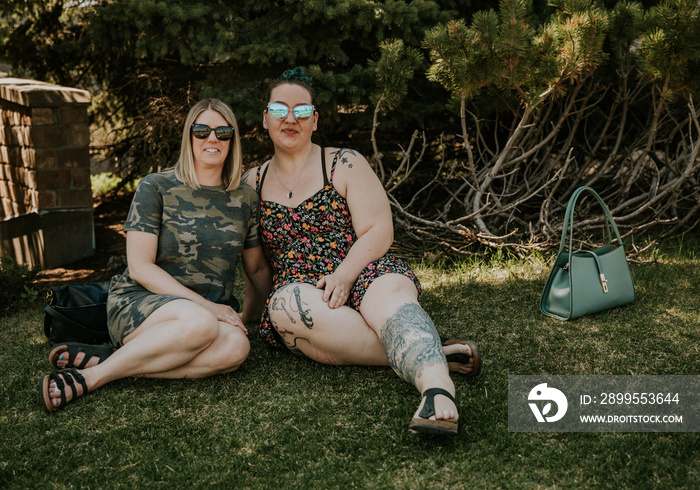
409	338
391	329
180	339
331	336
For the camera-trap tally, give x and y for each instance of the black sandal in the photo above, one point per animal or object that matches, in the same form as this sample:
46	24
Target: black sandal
459	360
102	352
424	425
69	374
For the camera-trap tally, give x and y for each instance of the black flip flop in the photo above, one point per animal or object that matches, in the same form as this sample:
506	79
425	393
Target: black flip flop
463	359
424	425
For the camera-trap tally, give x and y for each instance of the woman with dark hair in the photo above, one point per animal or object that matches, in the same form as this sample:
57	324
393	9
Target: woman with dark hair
338	297
172	313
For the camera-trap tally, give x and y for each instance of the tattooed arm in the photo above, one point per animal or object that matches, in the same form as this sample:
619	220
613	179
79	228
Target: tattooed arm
248	177
371	218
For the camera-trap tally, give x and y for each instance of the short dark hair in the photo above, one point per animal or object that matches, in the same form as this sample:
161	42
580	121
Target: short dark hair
295	76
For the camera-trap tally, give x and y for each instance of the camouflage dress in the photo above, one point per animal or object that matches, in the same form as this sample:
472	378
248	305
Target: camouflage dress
201	233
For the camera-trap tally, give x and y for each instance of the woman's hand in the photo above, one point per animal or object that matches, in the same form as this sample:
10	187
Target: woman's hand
336	289
225	313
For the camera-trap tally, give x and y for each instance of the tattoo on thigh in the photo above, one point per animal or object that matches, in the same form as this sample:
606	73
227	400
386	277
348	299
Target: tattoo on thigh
293	347
411	342
283	332
293	304
304	314
279	304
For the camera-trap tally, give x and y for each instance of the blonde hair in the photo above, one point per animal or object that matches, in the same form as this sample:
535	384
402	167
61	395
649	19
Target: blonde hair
233	165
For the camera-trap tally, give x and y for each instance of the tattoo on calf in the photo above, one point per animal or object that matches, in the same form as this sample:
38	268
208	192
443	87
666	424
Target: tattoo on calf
411	342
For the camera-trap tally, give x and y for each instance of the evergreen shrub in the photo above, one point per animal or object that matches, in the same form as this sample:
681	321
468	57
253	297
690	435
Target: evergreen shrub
16	291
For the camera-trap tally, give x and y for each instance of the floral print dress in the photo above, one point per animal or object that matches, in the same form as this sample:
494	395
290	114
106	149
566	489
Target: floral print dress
306	242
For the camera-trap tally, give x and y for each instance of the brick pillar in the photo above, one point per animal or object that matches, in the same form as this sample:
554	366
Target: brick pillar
46	213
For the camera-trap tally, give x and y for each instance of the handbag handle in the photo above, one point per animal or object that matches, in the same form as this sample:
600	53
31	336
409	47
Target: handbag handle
569	220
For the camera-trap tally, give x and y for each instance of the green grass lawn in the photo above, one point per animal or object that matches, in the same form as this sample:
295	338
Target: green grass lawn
282	421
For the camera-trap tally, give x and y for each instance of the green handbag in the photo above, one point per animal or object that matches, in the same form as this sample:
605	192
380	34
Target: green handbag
585	282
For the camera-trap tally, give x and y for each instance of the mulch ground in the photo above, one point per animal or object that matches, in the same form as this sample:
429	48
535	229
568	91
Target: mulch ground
110	248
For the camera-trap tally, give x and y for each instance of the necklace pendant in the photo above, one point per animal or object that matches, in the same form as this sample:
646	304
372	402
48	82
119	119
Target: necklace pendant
289	195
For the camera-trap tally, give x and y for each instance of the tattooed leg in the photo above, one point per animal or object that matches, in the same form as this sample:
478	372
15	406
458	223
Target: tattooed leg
415	352
293	347
296	305
304	314
279	304
330	336
411	342
291	344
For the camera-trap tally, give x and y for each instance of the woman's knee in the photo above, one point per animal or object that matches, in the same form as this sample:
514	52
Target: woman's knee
387	292
191	325
394	285
197	325
233	348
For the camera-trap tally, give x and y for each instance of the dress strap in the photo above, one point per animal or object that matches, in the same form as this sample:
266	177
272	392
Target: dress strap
260	179
335	160
323	167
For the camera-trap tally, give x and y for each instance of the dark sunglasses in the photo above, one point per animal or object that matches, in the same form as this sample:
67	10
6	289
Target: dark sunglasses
280	111
202	131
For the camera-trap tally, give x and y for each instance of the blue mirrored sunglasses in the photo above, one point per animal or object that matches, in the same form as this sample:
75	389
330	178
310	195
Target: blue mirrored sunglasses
280	111
202	131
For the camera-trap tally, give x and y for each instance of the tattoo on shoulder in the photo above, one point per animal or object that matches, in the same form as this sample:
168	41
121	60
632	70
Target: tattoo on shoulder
343	156
411	342
245	178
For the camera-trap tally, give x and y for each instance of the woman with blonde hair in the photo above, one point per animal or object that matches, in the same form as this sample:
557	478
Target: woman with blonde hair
172	313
